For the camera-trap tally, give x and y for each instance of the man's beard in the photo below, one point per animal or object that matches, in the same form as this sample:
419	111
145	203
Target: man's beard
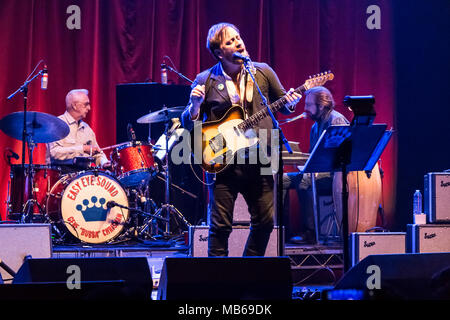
319	114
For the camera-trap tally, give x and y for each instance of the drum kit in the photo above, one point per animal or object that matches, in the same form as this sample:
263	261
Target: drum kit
88	204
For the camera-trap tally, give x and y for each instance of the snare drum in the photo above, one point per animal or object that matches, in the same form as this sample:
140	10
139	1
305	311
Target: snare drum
133	163
80	202
20	191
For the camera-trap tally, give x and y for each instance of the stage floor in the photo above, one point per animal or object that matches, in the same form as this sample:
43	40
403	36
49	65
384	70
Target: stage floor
313	266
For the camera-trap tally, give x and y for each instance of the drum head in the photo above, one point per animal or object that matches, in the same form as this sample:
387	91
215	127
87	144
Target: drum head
84	207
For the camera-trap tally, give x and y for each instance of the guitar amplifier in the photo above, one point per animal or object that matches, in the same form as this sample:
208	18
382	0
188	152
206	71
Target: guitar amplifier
241	216
437	197
198	241
427	238
363	244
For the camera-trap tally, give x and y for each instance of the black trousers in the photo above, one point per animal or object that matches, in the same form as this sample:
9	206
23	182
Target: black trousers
257	190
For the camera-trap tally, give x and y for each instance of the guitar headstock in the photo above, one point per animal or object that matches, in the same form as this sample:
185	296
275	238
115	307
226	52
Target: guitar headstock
318	79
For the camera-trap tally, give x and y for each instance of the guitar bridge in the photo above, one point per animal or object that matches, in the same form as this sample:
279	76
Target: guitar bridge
222	159
217	143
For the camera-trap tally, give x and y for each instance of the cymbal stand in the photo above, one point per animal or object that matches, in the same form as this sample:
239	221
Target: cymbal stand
28	208
167	208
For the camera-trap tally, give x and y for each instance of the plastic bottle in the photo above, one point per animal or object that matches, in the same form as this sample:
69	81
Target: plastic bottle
417	203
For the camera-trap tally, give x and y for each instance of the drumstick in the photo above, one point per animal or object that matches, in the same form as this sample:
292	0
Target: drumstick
114	146
118	145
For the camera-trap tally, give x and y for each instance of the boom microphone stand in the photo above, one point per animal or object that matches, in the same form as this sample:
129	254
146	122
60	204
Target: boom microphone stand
282	140
26	138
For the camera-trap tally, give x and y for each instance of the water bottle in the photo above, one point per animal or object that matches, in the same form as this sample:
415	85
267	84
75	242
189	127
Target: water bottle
417	203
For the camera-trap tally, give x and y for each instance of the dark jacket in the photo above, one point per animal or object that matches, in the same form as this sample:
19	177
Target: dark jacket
217	100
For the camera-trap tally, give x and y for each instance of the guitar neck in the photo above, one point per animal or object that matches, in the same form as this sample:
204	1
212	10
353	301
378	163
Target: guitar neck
274	107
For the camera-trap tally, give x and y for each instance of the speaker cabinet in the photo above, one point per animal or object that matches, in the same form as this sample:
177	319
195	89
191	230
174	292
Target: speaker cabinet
241	216
428	238
437	197
363	244
123	277
198	241
226	278
401	276
21	240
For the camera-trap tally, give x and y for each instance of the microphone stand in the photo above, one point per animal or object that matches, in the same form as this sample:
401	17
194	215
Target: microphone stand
175	71
115	204
282	140
24	89
25	139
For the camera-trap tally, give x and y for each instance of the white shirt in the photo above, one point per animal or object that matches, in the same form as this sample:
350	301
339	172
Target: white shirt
72	145
231	88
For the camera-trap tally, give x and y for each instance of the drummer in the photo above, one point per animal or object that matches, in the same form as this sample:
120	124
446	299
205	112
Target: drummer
81	142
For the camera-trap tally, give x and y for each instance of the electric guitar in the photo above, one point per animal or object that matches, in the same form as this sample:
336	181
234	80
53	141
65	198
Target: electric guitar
222	139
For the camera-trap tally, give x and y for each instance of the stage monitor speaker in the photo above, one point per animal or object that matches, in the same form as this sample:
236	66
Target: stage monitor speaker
198	241
21	240
407	276
427	238
437	197
225	278
130	275
363	244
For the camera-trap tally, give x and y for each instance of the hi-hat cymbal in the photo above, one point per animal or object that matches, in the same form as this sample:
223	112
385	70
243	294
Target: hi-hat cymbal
161	115
42	127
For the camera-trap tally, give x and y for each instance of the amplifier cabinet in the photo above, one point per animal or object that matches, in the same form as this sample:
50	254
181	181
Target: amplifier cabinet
198	241
19	241
428	238
364	244
437	197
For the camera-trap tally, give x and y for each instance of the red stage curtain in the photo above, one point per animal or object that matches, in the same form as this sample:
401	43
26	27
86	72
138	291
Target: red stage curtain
124	41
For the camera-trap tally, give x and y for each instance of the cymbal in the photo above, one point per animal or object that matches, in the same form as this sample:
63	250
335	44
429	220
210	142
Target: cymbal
42	127
162	115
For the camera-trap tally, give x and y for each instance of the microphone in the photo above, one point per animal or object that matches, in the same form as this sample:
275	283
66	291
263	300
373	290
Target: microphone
131	133
111	204
163	74
44	79
304	115
238	55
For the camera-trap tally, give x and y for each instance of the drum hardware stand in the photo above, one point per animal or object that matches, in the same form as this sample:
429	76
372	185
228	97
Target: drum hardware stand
139	212
28	207
167	207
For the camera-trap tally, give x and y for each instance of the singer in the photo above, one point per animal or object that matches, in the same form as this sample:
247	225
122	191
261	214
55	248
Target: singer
214	91
81	141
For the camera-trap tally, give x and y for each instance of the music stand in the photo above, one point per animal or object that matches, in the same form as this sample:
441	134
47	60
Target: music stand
347	148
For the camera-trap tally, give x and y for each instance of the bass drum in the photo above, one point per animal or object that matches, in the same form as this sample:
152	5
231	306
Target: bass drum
79	203
364	198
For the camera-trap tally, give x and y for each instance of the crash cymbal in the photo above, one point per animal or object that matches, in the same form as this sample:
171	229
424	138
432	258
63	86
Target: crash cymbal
42	127
162	115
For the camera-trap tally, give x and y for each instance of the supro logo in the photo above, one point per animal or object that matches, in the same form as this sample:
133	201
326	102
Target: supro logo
429	236
369	244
